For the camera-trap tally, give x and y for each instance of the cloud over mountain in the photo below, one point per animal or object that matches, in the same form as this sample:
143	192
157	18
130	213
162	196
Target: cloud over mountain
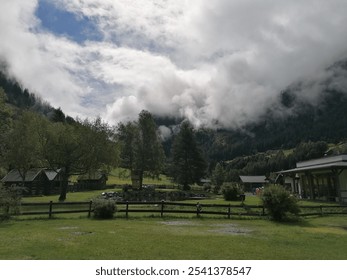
215	62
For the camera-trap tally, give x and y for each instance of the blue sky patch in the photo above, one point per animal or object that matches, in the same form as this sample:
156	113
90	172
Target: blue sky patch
60	22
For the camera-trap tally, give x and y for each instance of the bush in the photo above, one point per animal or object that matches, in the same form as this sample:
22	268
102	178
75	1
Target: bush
279	203
231	191
104	208
10	198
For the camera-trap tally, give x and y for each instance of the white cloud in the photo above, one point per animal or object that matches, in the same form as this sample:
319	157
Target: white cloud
41	62
210	61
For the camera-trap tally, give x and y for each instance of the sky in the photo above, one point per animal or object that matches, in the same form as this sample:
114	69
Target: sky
220	63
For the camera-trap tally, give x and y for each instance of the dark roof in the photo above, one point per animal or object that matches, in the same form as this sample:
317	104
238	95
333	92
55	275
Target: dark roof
253	179
14	176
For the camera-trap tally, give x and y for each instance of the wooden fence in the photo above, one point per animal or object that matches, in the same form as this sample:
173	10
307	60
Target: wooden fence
51	208
163	207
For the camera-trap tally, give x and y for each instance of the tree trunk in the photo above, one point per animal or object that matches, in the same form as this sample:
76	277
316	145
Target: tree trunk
141	178
63	186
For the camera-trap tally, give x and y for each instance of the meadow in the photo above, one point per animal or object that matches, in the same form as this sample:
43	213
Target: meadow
173	237
72	237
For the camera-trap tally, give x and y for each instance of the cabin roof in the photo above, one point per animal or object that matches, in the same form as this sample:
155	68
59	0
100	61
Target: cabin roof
253	179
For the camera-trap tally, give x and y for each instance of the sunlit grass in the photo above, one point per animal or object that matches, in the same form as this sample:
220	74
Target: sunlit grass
156	238
121	176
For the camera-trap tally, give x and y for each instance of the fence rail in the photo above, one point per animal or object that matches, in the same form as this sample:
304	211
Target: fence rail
56	208
163	207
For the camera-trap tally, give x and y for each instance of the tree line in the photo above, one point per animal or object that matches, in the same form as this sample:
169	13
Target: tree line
270	162
29	140
188	156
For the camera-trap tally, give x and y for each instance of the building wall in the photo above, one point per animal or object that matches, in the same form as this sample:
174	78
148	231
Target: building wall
343	186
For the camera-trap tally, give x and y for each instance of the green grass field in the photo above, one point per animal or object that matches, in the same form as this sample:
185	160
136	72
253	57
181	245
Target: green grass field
147	236
120	176
172	238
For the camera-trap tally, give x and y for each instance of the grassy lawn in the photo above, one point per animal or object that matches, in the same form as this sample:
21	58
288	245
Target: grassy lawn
72	237
120	176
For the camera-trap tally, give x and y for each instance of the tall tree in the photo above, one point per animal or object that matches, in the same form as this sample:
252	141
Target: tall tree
21	149
149	150
189	166
6	114
78	149
127	134
142	151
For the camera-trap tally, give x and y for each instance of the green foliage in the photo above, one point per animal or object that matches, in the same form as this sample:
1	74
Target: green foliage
104	208
218	177
141	148
9	201
279	203
6	114
21	144
309	150
231	191
149	148
78	148
188	164
271	161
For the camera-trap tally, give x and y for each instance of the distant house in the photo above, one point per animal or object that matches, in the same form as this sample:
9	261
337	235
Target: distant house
37	181
324	178
250	183
92	181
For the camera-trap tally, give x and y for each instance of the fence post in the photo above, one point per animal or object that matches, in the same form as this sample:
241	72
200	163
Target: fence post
229	211
162	209
50	209
90	208
126	209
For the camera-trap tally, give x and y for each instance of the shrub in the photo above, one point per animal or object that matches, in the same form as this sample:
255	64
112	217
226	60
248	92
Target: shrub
104	208
231	191
207	187
10	198
279	203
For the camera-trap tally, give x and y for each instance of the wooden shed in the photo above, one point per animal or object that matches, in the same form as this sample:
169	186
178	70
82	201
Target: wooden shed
37	181
92	181
34	181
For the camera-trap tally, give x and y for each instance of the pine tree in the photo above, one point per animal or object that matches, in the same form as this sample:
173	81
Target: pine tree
188	163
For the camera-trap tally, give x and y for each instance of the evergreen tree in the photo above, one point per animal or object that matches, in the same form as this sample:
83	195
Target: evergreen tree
189	166
141	149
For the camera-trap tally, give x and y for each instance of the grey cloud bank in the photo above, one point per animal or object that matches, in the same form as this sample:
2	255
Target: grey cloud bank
208	61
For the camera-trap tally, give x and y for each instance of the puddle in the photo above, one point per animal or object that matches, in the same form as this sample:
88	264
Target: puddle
179	223
82	232
67	228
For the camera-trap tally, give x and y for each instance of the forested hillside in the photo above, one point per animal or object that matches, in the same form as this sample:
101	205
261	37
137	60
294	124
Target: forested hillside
20	98
255	149
327	122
